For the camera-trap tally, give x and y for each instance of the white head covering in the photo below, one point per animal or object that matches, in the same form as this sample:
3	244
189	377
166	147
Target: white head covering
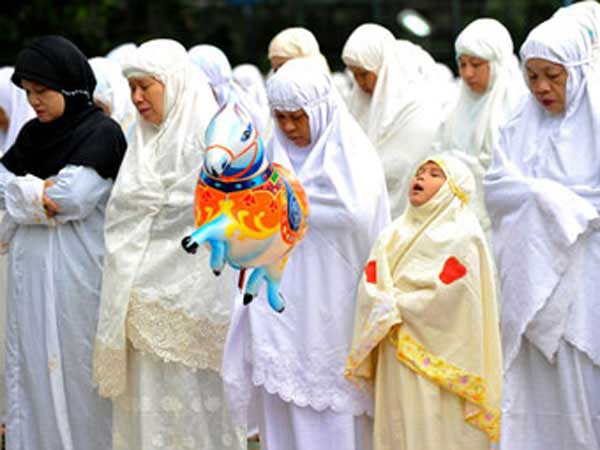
413	294
344	182
121	53
153	294
296	42
249	77
402	115
215	65
112	90
543	195
587	15
474	125
14	103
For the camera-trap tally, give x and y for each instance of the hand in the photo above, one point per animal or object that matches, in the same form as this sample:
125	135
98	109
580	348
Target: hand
50	206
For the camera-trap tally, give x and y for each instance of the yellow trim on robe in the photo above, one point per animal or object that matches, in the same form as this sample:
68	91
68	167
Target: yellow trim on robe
469	386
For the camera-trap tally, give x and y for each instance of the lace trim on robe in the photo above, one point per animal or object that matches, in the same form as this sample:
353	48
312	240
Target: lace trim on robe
172	335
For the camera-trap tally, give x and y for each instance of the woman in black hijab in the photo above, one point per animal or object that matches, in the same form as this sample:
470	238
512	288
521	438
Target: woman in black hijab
54	184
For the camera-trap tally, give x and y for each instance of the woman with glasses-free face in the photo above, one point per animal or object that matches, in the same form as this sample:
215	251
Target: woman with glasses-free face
547	82
475	72
147	95
295	125
47	103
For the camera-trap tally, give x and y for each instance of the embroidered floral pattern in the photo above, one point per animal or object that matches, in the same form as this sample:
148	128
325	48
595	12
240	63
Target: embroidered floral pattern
469	386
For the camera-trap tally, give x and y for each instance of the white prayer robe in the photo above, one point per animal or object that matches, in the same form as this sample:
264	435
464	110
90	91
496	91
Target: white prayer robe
292	364
55	270
543	196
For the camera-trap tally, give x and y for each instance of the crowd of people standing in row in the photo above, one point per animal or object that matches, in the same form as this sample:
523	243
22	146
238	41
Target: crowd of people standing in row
467	322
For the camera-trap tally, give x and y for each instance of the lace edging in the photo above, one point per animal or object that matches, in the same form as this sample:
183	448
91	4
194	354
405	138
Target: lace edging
304	385
174	336
110	370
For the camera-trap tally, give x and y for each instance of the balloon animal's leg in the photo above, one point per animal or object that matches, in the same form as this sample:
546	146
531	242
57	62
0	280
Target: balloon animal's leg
253	284
217	256
273	278
214	230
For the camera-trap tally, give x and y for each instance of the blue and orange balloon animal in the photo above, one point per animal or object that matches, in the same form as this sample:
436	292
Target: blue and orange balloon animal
249	211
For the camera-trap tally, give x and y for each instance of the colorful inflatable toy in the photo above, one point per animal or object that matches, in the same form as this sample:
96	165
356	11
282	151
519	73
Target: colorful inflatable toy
250	212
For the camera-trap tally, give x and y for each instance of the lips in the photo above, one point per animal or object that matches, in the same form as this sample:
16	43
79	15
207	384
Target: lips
417	187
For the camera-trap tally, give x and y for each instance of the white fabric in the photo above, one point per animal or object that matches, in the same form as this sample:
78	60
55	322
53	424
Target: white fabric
252	82
121	53
112	90
300	354
428	70
402	116
174	407
285	426
554	405
14	103
24	202
156	299
587	15
344	83
542	199
473	127
215	65
54	291
296	42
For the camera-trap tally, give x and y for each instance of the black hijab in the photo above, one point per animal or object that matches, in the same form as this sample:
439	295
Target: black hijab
83	135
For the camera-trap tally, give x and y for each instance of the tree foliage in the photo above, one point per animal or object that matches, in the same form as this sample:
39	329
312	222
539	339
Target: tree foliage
243	28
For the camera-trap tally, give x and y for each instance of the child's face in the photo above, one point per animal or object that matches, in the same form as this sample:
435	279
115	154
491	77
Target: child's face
425	184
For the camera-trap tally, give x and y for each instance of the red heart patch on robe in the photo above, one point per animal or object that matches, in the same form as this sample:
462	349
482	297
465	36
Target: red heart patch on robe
453	270
371	272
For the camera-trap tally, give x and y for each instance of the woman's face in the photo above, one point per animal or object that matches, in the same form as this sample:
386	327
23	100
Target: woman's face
295	125
365	79
277	62
426	183
3	120
47	103
548	83
475	72
147	95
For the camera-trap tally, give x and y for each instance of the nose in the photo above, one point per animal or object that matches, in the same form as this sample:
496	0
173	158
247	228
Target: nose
288	126
33	99
136	96
468	72
541	87
216	162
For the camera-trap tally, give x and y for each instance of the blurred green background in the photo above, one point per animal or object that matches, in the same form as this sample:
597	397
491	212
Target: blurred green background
243	28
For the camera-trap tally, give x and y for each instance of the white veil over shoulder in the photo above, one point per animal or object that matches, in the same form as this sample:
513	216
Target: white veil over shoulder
300	354
543	196
154	295
472	128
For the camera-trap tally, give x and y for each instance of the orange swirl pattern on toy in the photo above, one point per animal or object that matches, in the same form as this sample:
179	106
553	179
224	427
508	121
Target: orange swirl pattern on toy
258	212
